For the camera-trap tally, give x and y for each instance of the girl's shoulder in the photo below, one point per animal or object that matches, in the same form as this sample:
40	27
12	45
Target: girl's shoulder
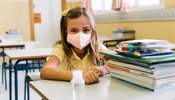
58	47
58	51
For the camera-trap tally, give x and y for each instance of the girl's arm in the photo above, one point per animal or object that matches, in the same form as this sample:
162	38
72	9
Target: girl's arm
50	70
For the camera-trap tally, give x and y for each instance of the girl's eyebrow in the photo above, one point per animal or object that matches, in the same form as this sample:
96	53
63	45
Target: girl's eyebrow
77	28
72	28
86	27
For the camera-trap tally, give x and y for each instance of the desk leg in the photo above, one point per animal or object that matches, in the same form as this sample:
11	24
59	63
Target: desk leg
10	80
4	65
3	61
4	76
16	79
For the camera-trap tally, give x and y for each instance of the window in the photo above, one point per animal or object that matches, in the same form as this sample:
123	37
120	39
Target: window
154	7
130	5
143	4
101	5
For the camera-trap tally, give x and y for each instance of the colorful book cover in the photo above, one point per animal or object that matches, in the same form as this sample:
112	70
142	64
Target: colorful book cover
147	54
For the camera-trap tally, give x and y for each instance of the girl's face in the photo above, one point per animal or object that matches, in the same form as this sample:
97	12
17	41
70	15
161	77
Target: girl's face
78	25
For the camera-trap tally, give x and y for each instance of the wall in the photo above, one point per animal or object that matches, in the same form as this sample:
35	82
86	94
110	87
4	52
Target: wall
56	12
169	3
73	3
14	14
150	29
48	29
159	30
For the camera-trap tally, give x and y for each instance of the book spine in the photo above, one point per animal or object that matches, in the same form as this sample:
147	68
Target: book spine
140	77
131	70
133	62
157	73
133	81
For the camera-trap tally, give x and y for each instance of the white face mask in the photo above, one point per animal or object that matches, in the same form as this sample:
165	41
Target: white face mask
79	40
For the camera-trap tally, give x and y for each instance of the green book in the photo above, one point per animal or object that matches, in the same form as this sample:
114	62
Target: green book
145	62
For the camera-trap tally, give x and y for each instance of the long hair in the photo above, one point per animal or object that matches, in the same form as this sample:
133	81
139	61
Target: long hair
93	47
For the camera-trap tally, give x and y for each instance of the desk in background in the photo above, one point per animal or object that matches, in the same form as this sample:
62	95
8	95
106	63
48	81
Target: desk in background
112	42
3	46
23	55
107	89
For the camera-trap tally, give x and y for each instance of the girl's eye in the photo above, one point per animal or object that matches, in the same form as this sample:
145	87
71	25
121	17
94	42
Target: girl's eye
73	31
86	30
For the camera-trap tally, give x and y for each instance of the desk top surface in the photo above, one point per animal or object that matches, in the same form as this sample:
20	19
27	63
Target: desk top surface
28	53
12	44
107	89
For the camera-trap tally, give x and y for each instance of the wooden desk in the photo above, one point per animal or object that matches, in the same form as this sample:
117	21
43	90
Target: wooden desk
112	42
107	89
23	55
11	44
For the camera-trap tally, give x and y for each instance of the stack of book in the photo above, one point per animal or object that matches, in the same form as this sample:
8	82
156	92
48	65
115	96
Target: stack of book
153	71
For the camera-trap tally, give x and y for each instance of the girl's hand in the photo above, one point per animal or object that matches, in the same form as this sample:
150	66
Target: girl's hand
100	70
96	69
90	77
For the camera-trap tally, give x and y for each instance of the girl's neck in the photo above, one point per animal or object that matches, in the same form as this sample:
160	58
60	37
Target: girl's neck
80	53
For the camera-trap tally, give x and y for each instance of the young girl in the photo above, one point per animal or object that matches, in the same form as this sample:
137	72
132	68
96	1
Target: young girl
79	49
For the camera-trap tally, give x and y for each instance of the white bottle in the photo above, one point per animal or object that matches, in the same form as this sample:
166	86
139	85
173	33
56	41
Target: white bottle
78	84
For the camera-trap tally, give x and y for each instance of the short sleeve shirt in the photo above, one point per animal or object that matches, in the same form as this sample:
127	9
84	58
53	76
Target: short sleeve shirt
81	64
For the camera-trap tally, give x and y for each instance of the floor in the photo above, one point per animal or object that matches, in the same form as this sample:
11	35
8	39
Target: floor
4	94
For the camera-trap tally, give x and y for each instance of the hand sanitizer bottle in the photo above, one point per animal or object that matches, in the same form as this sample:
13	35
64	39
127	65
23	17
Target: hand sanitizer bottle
78	84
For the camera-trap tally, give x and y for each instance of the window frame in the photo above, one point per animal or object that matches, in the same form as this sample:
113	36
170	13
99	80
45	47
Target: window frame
149	15
158	13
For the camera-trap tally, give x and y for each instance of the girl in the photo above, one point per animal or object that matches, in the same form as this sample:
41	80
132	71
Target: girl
79	49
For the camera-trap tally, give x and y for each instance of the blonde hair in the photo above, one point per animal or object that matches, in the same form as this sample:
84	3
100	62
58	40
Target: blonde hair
93	47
